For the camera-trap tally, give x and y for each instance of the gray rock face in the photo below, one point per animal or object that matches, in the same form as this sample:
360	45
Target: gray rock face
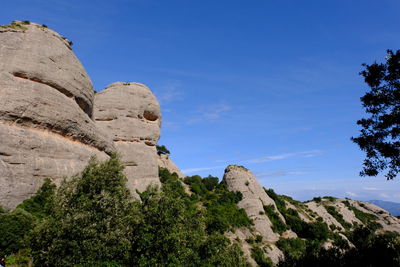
240	179
164	161
46	106
130	114
38	54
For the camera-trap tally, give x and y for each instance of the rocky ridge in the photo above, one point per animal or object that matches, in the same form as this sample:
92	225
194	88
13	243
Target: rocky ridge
339	215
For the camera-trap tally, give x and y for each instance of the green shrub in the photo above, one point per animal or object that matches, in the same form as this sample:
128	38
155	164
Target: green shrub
250	240
317	199
14	226
222	213
279	202
277	224
331	199
369	220
339	217
258	239
40	204
173	232
292	247
258	255
162	150
92	220
317	231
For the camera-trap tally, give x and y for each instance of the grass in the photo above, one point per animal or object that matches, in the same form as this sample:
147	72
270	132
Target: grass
15	26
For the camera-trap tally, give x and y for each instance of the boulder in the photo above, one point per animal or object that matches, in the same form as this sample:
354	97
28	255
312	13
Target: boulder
46	105
130	114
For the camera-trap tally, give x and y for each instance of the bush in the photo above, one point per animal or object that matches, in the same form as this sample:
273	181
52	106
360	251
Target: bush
173	230
370	250
292	247
91	222
339	217
258	255
162	150
40	205
279	202
14	226
369	220
277	224
222	213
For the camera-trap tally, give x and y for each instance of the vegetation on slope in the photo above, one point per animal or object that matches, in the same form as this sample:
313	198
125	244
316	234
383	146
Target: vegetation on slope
369	250
92	220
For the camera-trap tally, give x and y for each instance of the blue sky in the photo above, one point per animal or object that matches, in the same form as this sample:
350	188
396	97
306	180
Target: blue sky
272	85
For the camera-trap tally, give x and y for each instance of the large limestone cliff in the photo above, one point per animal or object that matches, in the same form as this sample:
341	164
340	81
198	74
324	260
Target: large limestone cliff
130	114
46	116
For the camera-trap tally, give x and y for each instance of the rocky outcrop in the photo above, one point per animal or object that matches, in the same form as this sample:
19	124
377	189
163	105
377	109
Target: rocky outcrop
46	104
130	115
254	199
339	215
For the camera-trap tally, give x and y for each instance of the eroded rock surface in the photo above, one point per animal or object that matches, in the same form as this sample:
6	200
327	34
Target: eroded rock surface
46	104
130	114
254	199
165	161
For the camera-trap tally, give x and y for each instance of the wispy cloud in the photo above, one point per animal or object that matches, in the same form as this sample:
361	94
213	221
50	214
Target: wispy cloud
352	194
170	92
301	154
279	174
210	112
371	189
192	170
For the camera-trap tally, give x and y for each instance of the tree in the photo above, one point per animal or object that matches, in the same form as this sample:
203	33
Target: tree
91	221
162	150
380	133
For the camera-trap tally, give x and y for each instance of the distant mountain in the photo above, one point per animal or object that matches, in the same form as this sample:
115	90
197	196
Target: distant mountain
392	207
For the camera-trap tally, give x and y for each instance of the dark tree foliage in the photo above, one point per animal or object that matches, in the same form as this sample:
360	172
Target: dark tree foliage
370	250
380	133
172	231
162	150
14	226
222	213
258	255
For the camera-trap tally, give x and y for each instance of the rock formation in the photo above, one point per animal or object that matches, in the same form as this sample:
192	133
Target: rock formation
254	199
46	103
130	114
349	214
46	116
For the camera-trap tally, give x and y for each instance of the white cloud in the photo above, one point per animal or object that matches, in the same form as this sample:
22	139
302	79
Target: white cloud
384	195
279	174
192	170
210	112
169	92
352	194
371	189
302	154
